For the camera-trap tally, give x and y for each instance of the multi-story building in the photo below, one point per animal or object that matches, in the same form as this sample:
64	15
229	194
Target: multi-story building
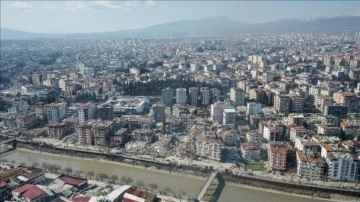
58	130
86	112
305	143
296	119
350	127
237	96
167	95
85	133
251	151
158	113
297	132
56	112
105	112
310	165
268	77
282	103
181	97
334	109
328	130
277	156
215	95
271	133
208	148
347	99
229	137
217	110
297	104
229	116
253	108
102	132
342	166
193	96
27	121
204	95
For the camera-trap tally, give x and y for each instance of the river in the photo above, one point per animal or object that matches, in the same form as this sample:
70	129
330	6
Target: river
177	183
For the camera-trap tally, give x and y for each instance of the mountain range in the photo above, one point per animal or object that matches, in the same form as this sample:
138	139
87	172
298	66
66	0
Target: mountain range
211	26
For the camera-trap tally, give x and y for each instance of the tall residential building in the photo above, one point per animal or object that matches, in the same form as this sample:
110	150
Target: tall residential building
210	148
347	99
342	166
204	95
193	95
268	77
282	103
277	156
297	104
296	119
253	108
334	109
158	113
102	131
105	112
167	95
85	133
229	116
86	112
56	112
215	95
237	96
181	97
310	165
217	109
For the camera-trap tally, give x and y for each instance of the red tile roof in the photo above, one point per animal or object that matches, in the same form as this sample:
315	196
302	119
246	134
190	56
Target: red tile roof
30	191
81	199
72	180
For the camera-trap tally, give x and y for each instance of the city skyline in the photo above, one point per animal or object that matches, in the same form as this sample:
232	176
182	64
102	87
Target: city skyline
101	16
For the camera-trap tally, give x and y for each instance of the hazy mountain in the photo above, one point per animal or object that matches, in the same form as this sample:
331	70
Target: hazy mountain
214	25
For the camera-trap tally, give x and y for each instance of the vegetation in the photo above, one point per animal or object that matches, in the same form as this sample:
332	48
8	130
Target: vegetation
256	166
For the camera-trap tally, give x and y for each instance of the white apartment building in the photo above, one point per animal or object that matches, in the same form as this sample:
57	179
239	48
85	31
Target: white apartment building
193	95
86	112
56	112
205	95
342	166
310	165
216	110
181	96
210	148
229	116
253	108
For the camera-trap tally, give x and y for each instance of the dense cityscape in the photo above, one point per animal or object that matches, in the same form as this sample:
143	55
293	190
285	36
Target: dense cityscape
274	111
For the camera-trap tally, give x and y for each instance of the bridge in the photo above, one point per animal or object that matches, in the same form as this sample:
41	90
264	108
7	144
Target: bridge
7	145
212	188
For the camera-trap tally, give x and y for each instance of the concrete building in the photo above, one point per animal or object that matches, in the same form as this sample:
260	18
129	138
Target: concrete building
237	96
268	77
59	130
27	121
158	113
297	104
85	133
229	116
215	95
328	130
310	165
167	95
342	166
296	119
193	96
277	156
208	148
347	99
105	112
181	97
204	96
56	112
102	131
86	112
282	103
217	110
334	109
253	108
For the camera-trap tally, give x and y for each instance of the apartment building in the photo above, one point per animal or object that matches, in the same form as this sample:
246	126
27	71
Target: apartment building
282	103
167	95
181	97
310	165
56	112
208	148
277	156
86	112
204	96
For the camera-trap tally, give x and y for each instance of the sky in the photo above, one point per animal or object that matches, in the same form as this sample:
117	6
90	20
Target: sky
101	16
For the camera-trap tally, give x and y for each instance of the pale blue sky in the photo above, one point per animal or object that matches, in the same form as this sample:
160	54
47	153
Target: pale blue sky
100	16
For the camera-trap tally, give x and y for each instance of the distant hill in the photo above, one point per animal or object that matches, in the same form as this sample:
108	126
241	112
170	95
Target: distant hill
210	26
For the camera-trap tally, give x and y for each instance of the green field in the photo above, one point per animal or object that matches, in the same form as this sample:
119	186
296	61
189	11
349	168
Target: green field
255	166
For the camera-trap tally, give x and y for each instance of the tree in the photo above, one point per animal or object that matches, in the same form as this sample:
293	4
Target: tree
146	165
182	193
140	184
90	174
114	178
68	170
79	172
23	164
35	165
57	168
153	186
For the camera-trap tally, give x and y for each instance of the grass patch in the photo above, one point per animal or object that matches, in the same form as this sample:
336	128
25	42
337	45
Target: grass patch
255	166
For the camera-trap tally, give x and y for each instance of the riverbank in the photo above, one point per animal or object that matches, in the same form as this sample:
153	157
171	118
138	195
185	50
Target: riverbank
152	169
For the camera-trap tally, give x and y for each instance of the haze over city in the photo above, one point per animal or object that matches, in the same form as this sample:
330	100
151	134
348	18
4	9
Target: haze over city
101	16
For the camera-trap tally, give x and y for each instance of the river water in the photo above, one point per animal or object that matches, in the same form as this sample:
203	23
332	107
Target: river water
177	183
